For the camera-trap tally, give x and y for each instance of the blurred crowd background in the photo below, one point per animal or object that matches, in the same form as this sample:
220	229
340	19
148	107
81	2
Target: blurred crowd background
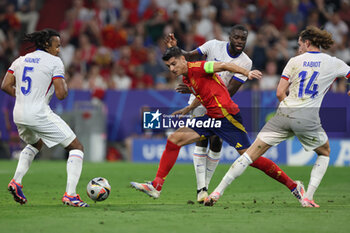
117	44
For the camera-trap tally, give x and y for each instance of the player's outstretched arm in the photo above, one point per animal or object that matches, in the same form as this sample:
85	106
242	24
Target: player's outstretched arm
227	66
8	84
61	89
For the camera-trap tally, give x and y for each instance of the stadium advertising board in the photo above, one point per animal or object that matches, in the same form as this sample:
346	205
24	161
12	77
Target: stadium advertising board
289	152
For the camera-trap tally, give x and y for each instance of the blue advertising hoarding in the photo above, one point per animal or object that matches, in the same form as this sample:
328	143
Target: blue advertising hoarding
289	152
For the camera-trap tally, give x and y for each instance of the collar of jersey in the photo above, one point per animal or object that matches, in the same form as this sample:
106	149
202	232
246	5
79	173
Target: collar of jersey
228	52
313	51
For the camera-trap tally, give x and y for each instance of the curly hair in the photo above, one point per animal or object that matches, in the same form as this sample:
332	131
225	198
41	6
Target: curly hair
317	37
41	39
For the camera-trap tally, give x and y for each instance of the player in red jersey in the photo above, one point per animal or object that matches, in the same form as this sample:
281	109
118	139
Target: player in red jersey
209	89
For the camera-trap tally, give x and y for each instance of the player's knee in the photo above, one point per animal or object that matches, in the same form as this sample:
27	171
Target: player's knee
75	145
215	144
174	138
327	151
324	150
202	143
38	145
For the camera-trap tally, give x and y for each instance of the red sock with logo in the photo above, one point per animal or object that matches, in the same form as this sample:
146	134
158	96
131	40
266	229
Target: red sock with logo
271	169
166	163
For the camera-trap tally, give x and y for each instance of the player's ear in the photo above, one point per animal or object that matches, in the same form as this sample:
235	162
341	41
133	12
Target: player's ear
183	58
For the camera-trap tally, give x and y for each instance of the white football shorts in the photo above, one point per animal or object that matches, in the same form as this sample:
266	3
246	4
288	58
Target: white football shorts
51	129
279	128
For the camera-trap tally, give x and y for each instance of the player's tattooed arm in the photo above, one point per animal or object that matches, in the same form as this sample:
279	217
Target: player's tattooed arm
8	84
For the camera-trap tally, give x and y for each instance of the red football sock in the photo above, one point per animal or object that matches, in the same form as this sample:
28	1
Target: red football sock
271	169
166	163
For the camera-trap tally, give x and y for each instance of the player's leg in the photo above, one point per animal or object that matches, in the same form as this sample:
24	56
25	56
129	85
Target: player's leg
176	140
200	155
233	132
254	152
56	131
317	173
313	137
275	131
257	149
74	168
213	158
25	160
74	165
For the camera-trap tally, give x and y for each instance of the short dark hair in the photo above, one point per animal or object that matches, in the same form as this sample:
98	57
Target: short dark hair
41	39
238	27
172	52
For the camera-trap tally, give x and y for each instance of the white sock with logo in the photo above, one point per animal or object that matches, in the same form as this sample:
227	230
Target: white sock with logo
25	160
199	162
236	169
317	174
212	162
74	167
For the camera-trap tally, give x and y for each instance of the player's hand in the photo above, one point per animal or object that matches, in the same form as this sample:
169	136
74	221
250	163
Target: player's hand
170	40
182	111
254	74
348	93
182	88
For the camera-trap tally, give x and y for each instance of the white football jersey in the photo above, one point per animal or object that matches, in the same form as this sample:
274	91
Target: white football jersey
310	75
216	50
34	75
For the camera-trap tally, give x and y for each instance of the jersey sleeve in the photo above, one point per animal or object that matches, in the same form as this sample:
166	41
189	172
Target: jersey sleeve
14	66
341	68
205	48
287	71
58	69
246	64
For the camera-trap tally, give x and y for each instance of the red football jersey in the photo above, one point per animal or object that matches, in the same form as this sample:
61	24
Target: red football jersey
210	90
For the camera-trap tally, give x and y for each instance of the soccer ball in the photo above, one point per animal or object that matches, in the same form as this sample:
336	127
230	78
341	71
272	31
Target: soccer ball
98	189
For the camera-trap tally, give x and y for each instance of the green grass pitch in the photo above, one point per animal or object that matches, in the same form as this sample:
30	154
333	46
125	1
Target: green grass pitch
253	203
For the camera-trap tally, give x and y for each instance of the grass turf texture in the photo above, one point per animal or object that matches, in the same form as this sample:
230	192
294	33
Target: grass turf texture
253	203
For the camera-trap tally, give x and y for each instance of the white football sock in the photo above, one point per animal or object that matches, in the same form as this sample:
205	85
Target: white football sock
25	160
199	162
236	169
74	167
317	174
212	162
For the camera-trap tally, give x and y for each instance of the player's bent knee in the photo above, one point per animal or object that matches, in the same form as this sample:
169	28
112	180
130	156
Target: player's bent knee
75	145
38	145
324	150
